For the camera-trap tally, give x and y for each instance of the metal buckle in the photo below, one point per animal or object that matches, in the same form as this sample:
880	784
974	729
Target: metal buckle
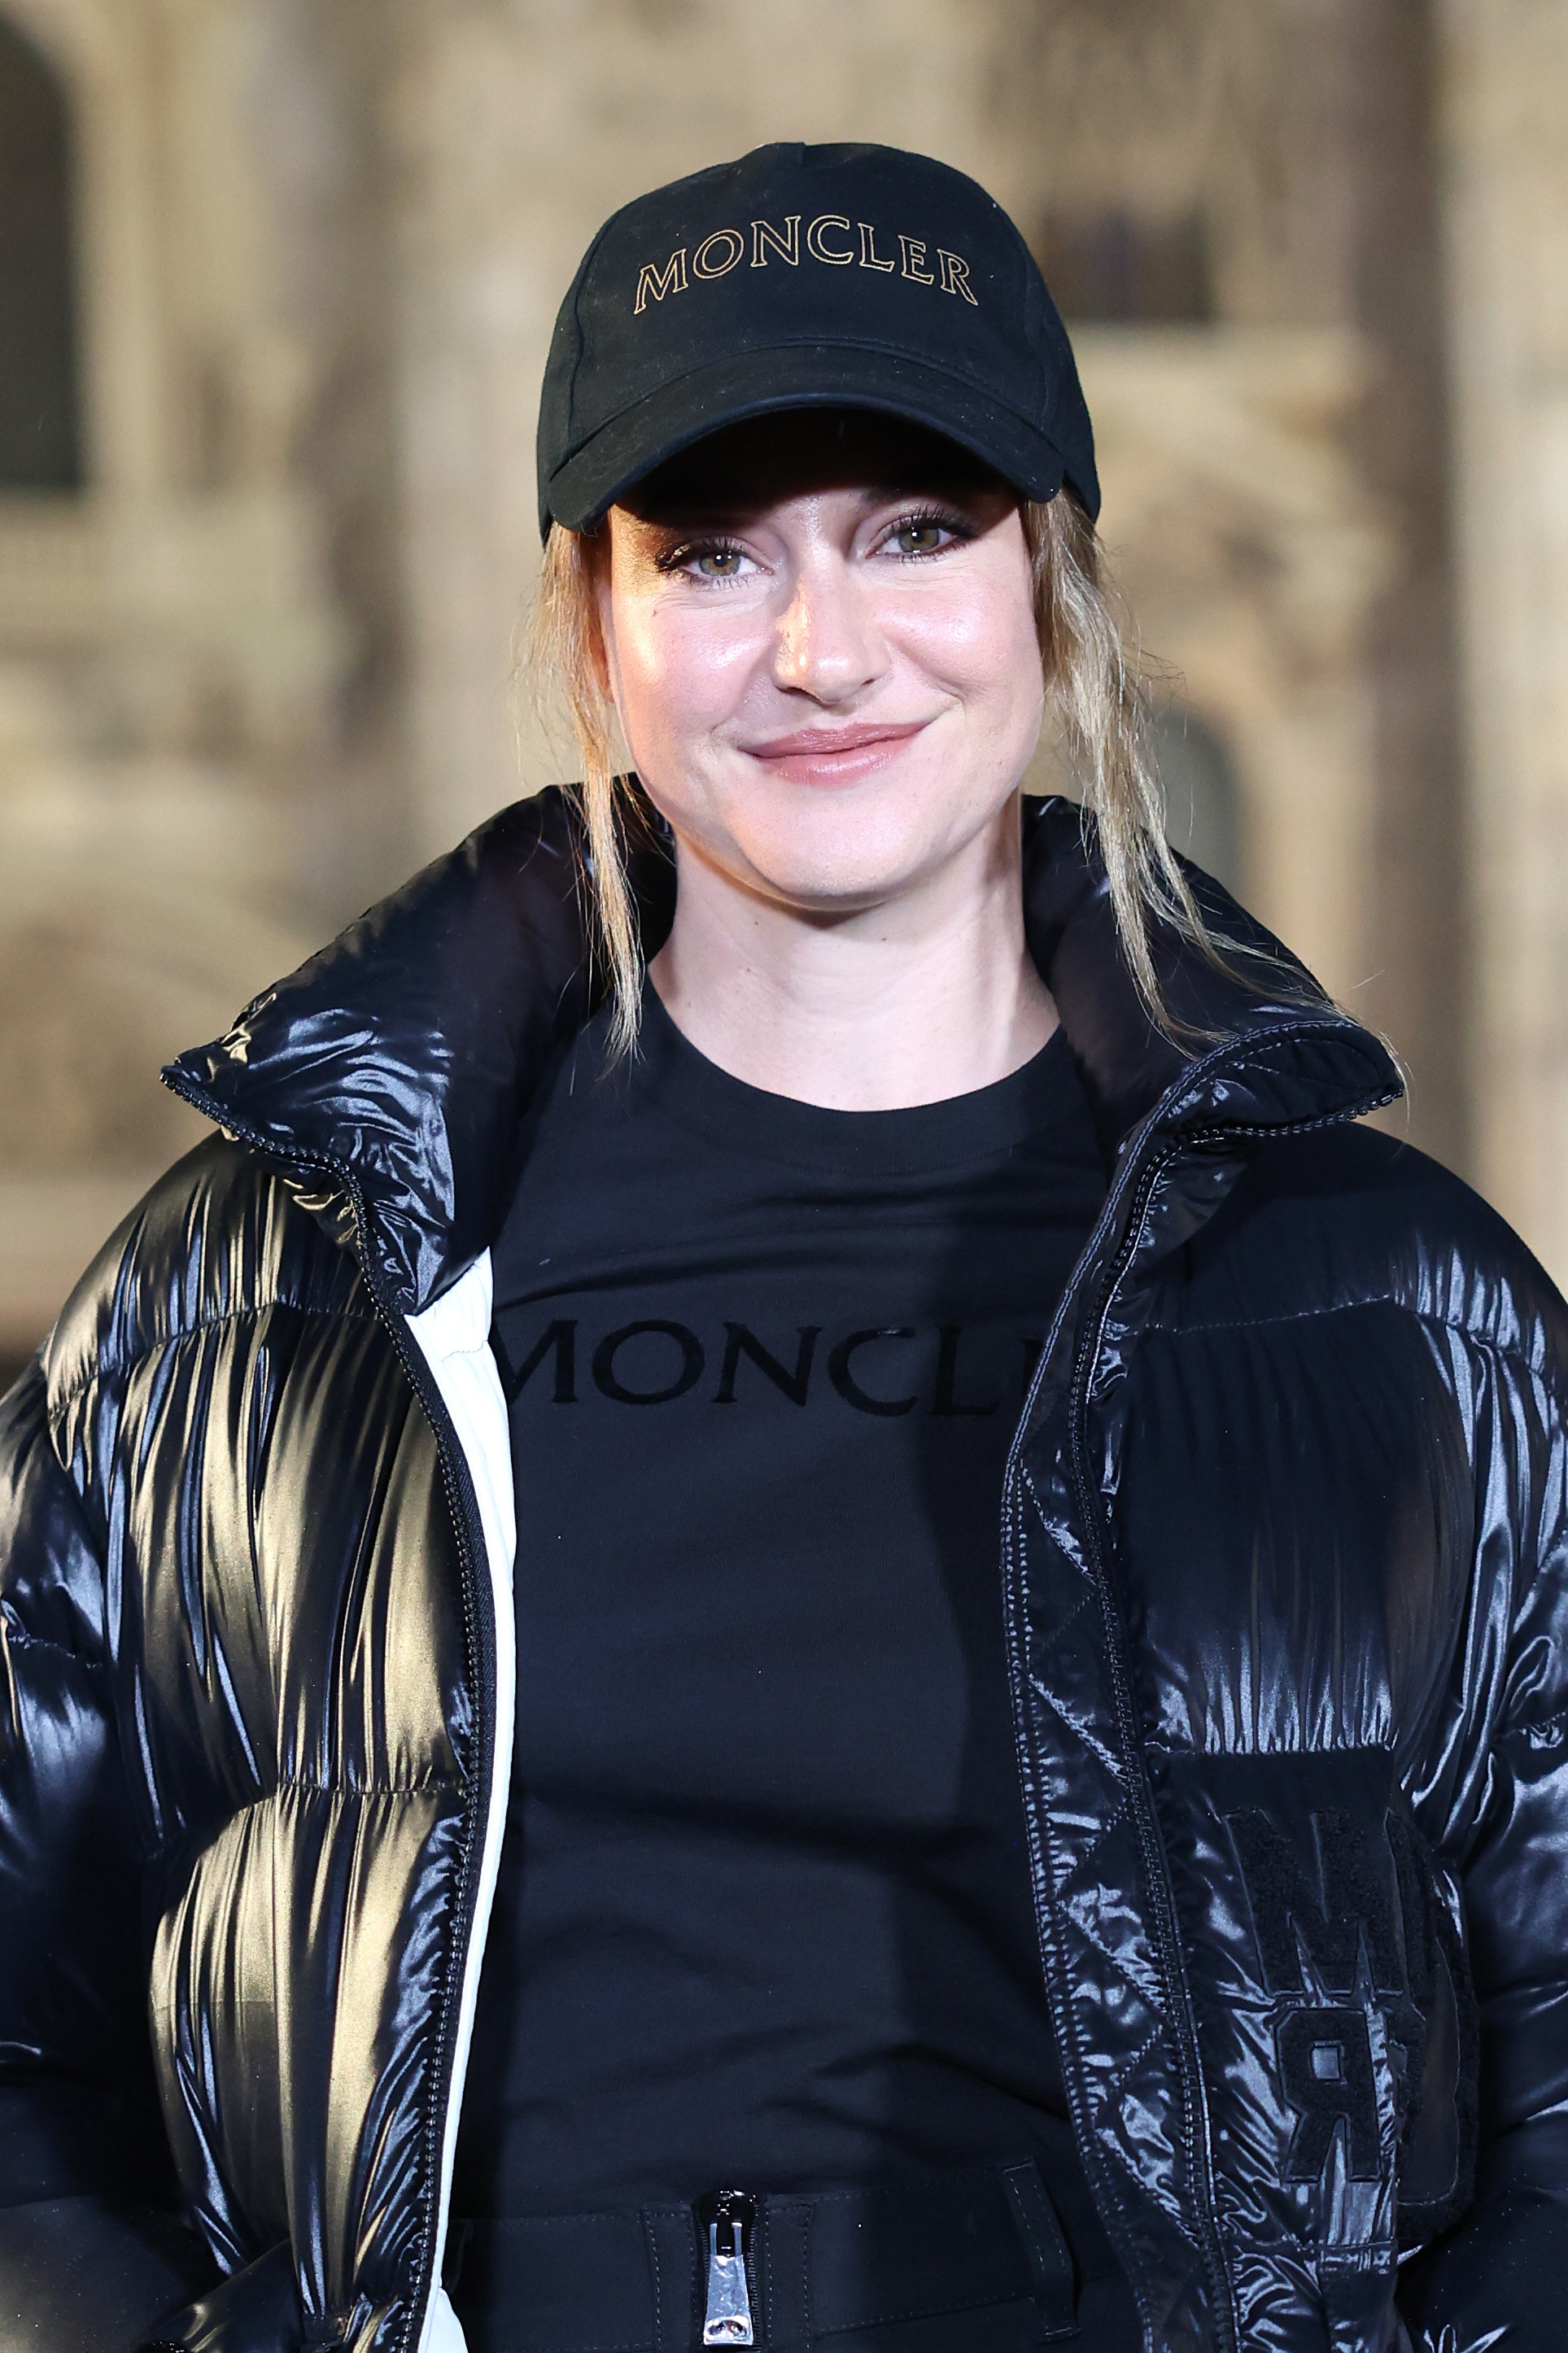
727	2215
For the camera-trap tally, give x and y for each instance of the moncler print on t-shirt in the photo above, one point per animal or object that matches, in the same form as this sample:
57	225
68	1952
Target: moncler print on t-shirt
765	1912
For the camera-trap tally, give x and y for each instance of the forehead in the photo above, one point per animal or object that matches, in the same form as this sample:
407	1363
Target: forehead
768	459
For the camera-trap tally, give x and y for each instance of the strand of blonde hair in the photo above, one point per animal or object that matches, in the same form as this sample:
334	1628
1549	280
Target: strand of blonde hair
1098	699
567	660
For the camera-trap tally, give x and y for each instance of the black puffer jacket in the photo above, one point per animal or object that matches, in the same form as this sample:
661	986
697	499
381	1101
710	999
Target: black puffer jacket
1287	1593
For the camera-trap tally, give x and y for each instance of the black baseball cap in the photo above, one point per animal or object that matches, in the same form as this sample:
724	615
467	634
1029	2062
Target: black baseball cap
843	277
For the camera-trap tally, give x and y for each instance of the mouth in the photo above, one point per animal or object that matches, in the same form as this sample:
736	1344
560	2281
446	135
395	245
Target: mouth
833	755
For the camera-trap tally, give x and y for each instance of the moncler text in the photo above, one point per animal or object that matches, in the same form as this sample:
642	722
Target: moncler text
831	239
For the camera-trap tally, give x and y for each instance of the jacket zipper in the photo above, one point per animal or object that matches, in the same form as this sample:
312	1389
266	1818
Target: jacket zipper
1140	1795
479	1629
1194	2104
1162	1903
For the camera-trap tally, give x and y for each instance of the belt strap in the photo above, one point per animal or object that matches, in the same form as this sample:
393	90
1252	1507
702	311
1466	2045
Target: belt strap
1049	2261
975	2259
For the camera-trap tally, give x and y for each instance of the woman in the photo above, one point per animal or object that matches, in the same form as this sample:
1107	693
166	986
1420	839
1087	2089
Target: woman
857	1643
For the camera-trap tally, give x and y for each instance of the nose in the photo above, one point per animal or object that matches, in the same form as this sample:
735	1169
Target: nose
828	646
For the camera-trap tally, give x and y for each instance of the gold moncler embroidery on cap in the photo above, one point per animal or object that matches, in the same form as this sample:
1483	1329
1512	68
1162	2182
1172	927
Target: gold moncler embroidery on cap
830	239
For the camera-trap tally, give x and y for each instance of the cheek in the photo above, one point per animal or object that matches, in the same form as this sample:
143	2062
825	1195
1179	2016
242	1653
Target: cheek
979	646
680	674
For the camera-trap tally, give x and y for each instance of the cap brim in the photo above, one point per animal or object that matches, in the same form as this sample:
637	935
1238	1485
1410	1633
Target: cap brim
810	376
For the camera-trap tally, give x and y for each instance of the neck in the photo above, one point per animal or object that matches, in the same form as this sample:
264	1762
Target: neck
922	996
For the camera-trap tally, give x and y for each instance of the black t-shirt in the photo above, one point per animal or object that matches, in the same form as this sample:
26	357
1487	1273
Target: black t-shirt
763	1914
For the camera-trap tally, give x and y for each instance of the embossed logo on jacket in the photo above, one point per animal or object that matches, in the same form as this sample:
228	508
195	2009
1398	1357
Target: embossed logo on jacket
1368	2009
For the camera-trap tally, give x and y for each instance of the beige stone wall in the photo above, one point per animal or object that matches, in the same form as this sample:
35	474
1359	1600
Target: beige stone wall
179	650
1251	554
1505	117
167	643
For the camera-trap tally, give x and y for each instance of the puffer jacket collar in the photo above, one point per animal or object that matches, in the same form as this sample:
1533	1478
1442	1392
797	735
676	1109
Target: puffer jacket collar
390	1070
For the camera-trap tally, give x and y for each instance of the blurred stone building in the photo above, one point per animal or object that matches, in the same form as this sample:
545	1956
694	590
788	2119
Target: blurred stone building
276	281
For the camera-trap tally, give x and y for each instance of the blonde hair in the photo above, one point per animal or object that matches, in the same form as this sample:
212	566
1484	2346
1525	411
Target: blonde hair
1094	691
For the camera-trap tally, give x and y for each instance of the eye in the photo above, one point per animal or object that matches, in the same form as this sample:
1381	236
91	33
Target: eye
916	535
716	562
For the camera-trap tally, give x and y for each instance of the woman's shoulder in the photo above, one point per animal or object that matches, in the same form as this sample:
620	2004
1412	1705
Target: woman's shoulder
221	1236
1353	1216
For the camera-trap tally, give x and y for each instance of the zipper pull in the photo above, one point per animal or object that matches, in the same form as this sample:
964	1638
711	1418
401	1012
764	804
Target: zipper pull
729	2215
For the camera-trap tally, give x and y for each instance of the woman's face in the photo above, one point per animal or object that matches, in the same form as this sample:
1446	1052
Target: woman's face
820	639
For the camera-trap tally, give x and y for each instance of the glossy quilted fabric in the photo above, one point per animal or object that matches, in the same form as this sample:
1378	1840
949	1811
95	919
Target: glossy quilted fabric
1286	1581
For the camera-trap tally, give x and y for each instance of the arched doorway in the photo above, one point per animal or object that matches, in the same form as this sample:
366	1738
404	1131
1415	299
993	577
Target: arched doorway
40	410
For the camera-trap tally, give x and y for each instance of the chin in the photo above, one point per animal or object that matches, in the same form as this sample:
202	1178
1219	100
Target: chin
837	851
824	849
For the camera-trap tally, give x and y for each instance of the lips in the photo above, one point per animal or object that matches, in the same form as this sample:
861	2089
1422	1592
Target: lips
833	755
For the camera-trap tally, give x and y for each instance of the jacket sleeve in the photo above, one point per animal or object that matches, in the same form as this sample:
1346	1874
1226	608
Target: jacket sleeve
91	2252
1500	2276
